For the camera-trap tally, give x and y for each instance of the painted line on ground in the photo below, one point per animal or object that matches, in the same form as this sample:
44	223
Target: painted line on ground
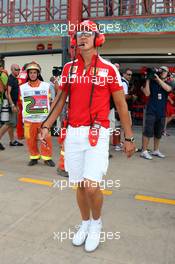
50	184
35	181
154	199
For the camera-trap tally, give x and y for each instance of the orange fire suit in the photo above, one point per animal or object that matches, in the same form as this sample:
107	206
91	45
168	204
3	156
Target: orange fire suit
36	105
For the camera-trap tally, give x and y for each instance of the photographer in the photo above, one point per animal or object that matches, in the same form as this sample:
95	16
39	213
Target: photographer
157	88
54	81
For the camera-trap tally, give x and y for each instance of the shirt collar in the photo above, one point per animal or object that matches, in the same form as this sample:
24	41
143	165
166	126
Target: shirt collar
35	83
93	60
125	80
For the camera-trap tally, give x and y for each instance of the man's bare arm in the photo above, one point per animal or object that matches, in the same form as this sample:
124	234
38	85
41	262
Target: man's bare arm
56	108
57	96
13	106
146	88
9	95
163	84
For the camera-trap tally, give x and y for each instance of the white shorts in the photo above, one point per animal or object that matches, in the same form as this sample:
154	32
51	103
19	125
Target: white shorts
82	161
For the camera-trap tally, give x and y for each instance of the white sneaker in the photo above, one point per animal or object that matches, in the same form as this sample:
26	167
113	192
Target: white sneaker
93	238
145	154
80	236
118	147
158	154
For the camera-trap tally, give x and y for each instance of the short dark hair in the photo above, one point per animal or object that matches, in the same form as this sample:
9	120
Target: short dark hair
127	69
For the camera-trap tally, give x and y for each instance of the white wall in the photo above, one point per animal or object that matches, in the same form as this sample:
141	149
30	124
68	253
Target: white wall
116	44
46	62
22	45
139	44
113	45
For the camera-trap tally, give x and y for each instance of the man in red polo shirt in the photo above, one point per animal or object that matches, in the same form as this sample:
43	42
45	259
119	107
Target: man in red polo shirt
89	81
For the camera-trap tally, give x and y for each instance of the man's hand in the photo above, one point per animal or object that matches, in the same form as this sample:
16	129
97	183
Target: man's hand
14	109
157	77
129	148
44	132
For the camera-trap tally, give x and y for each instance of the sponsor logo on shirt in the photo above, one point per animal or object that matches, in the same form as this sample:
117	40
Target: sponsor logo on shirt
99	72
74	70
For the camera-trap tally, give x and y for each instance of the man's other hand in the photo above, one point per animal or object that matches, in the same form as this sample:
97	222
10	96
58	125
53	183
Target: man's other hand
129	148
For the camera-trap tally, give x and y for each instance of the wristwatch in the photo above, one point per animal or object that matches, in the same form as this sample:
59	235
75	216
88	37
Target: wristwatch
132	139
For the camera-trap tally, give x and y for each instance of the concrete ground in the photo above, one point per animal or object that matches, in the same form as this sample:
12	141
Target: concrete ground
34	216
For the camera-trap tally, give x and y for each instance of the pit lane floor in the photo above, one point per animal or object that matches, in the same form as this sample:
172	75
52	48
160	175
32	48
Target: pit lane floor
35	213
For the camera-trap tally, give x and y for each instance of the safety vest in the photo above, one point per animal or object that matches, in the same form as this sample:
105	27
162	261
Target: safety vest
35	102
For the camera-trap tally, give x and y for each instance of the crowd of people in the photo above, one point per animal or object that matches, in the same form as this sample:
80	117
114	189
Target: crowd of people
134	90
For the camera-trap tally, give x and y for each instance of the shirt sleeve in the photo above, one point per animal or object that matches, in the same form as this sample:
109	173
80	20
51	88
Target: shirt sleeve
10	81
125	88
63	82
114	80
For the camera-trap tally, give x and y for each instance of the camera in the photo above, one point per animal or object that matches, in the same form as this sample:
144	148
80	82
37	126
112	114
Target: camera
150	73
57	71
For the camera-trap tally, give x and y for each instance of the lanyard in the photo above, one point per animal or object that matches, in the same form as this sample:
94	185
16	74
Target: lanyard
92	92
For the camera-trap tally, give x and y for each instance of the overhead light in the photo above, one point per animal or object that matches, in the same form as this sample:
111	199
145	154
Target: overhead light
169	53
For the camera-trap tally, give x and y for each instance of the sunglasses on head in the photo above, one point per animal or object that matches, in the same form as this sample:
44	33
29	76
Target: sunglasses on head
86	34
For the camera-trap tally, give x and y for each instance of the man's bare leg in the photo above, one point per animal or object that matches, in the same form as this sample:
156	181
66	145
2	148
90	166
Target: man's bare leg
3	130
94	198
167	121
156	151
145	143
156	143
11	133
83	202
90	199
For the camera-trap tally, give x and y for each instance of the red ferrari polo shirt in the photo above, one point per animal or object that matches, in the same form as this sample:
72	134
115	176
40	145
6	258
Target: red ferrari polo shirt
106	80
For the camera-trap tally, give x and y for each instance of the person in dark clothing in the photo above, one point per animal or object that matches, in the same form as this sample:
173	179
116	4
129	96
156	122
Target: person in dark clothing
12	94
157	89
